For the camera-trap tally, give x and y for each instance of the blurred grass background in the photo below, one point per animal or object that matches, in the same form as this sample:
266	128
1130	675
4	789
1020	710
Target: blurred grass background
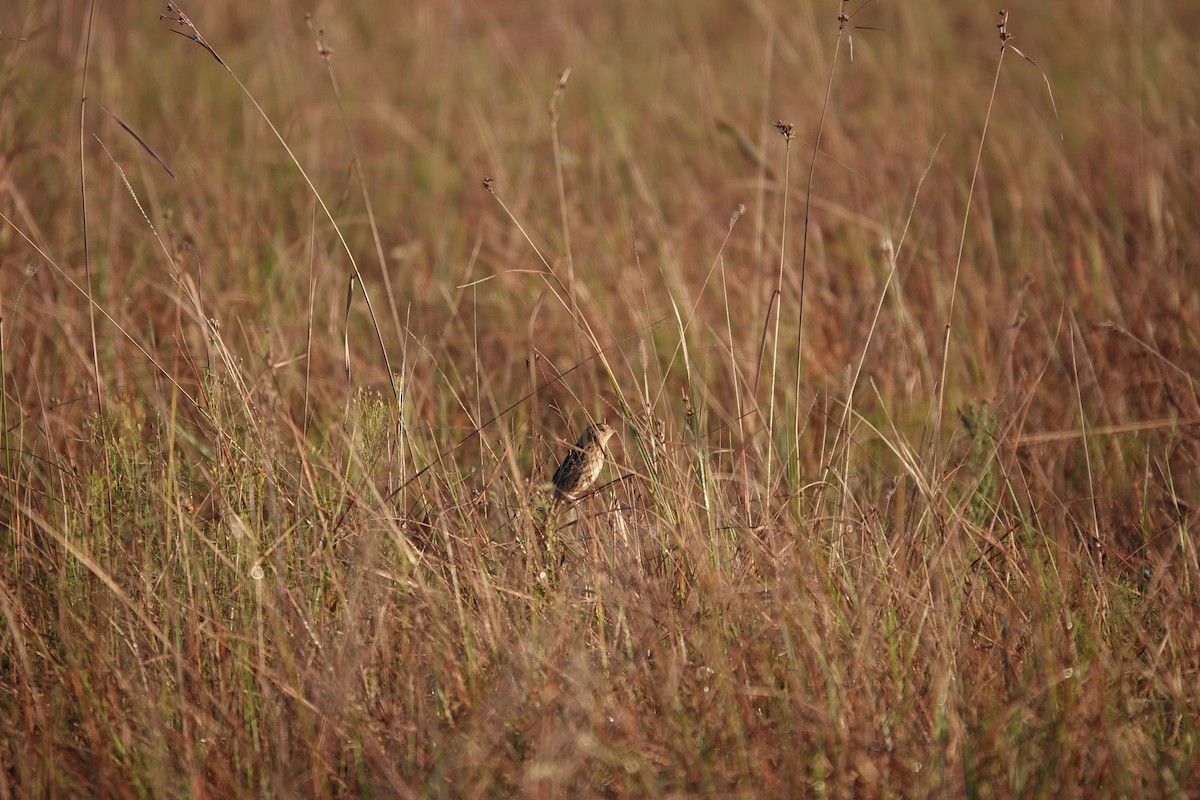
241	557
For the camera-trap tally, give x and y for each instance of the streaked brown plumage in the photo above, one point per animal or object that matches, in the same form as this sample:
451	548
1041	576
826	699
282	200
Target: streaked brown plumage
581	467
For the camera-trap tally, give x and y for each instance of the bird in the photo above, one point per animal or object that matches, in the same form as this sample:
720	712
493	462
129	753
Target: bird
581	467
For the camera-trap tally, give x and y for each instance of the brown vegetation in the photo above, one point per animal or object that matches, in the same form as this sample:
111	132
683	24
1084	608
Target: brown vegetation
900	501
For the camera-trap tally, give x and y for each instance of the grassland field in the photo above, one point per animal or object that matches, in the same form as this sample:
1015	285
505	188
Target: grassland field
893	307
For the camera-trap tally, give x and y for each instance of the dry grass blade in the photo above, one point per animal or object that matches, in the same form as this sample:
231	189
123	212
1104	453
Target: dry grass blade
346	336
137	138
1006	43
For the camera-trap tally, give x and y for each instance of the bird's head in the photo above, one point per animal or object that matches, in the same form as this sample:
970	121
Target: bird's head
600	433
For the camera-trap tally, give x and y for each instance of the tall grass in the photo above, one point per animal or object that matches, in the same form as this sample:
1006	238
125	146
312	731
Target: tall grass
902	498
